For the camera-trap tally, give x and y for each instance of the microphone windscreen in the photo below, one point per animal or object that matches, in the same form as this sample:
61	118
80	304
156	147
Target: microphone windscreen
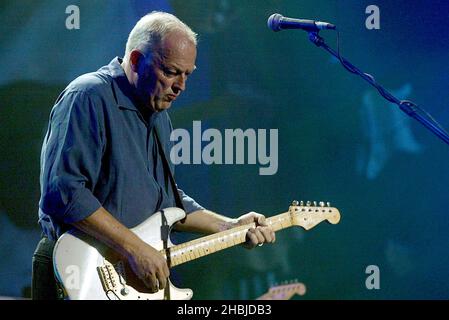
274	22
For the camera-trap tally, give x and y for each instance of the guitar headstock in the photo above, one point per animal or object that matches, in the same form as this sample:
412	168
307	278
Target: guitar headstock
309	214
284	291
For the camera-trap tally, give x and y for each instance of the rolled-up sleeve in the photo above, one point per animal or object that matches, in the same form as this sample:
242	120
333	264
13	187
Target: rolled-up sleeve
71	158
189	204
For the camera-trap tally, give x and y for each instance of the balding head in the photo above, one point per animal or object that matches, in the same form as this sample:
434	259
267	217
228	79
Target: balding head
151	30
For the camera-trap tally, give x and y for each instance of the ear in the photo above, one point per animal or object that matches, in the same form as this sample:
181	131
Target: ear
135	58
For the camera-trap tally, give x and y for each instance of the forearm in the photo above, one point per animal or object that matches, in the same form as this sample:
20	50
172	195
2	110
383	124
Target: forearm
205	221
147	263
107	229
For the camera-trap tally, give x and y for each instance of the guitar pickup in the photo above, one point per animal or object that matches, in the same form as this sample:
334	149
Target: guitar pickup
107	277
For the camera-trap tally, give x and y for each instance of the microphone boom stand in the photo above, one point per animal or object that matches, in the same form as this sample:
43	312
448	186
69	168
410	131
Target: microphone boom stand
406	106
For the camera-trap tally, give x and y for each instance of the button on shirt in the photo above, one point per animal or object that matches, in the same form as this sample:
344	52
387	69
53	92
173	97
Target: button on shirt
99	150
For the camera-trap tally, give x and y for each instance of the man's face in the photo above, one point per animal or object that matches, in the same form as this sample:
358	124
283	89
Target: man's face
162	77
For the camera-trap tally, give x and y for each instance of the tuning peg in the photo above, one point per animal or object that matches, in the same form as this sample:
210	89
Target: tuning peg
314	203
321	203
302	204
328	204
308	203
295	202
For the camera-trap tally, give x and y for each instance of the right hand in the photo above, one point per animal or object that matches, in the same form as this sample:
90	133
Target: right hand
150	266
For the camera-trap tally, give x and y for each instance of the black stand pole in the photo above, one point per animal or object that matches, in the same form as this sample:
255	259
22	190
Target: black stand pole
408	107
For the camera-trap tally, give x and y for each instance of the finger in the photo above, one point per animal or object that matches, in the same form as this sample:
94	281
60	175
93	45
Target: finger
162	281
154	284
259	235
151	282
267	233
261	221
163	269
146	283
252	239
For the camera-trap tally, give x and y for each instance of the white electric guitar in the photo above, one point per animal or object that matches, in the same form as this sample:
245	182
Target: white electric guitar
89	270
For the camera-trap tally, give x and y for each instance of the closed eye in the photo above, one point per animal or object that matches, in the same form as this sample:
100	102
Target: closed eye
169	72
172	72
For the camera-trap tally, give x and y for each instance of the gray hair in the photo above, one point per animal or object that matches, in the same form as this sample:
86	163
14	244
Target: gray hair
151	30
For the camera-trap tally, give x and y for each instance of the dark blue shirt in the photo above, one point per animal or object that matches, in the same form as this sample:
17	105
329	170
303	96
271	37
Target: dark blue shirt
100	150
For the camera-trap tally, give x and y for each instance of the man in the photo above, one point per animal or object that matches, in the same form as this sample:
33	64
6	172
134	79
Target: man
102	166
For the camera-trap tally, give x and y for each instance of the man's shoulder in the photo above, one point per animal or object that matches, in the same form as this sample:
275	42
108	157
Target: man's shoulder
93	83
90	89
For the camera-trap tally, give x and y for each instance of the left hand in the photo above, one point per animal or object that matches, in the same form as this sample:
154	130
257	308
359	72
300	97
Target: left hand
260	234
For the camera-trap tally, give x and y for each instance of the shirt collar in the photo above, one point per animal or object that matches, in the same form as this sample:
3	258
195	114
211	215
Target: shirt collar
123	90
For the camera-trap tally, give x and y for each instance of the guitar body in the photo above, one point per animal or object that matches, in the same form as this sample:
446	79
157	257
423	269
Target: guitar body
89	270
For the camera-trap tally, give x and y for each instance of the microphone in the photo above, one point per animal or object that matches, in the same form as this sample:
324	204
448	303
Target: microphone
278	22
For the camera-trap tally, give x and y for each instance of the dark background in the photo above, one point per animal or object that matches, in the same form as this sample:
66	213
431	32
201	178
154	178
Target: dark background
338	140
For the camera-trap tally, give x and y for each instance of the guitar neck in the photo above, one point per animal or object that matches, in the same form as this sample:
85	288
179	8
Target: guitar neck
204	246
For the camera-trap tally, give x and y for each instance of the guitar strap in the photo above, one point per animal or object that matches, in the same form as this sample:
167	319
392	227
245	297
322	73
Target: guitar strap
165	229
166	166
169	173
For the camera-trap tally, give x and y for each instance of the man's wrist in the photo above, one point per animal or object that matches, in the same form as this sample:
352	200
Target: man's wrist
226	225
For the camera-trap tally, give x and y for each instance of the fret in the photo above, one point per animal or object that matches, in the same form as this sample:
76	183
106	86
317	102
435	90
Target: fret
174	260
184	256
219	243
201	250
190	255
211	249
178	260
222	240
235	238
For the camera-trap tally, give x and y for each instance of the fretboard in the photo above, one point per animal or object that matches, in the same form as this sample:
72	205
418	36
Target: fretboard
222	240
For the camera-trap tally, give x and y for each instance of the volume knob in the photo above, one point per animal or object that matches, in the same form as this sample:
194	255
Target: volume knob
124	291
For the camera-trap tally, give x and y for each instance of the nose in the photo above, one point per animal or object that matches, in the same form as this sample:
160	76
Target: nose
180	84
